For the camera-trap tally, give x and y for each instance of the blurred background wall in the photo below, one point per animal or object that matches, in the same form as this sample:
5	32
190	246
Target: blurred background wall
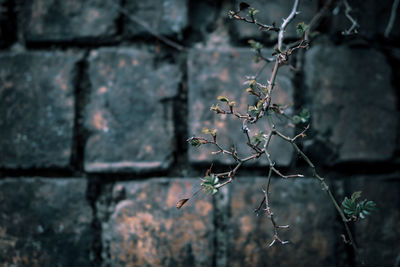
95	110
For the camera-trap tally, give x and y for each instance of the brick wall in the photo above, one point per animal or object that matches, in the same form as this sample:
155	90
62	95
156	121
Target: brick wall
95	111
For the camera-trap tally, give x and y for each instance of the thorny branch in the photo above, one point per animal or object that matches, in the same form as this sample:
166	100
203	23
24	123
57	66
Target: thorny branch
264	108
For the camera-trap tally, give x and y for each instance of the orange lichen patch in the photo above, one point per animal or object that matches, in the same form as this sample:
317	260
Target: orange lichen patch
235	54
135	62
142	225
99	122
198	226
224	75
215	58
175	193
320	244
61	82
203	207
102	90
245	225
92	15
122	63
149	149
311	207
7	84
142	196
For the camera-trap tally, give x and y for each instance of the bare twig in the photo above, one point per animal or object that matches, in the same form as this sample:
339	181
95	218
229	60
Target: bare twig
147	27
392	18
286	22
354	24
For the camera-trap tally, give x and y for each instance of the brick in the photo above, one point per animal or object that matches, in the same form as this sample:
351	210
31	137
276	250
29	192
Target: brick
302	204
54	21
37	109
166	17
130	124
145	228
353	107
273	11
222	72
44	222
377	236
372	16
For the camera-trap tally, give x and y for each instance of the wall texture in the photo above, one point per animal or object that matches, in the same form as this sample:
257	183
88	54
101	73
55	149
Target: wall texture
95	111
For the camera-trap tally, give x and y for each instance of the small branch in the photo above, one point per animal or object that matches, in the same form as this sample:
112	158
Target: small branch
153	32
264	27
286	21
392	18
354	26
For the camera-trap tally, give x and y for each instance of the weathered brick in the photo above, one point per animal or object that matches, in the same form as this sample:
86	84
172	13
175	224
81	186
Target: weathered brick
302	204
372	17
37	109
377	236
274	11
166	17
145	228
352	101
44	222
222	72
131	126
49	20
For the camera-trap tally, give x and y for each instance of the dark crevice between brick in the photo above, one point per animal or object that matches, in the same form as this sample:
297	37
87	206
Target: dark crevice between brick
89	43
82	85
94	189
120	21
393	58
180	117
8	23
222	213
202	16
51	172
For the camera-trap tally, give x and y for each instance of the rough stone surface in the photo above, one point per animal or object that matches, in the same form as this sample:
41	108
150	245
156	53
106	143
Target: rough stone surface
50	20
378	234
352	101
273	11
37	109
44	222
131	126
222	72
372	16
146	229
166	17
301	204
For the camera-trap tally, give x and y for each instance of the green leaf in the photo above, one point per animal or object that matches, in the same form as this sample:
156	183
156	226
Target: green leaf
223	99
255	45
356	195
301	28
258	138
209	131
253	11
194	141
209	184
296	119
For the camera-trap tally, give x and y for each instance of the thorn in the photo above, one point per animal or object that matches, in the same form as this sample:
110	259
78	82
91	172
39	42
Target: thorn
272	243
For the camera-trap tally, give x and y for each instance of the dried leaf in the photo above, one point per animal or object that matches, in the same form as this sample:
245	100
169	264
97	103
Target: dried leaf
181	202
